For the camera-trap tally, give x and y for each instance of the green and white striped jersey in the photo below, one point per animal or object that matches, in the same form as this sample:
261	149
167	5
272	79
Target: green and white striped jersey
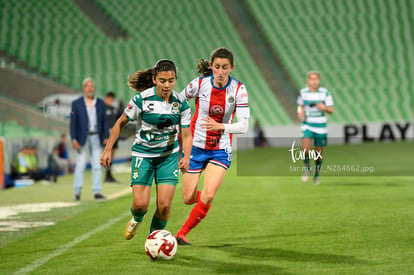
158	122
315	119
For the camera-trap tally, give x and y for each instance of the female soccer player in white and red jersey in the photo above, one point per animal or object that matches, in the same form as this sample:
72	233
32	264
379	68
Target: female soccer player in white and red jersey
218	97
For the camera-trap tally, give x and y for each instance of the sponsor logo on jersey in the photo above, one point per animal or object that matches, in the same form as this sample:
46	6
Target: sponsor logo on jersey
216	110
150	107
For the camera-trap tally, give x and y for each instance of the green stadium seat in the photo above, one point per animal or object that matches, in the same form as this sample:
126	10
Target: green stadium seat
360	42
71	47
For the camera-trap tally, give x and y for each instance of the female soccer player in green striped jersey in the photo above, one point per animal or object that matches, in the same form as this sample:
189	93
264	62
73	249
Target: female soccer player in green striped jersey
313	104
159	112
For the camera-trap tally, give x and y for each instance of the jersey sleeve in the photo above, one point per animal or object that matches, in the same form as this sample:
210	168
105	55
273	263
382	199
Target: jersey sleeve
192	88
242	103
328	100
185	112
134	108
300	101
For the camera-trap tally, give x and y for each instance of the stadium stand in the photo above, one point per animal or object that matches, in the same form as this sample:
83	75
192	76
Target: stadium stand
58	39
12	129
363	50
18	119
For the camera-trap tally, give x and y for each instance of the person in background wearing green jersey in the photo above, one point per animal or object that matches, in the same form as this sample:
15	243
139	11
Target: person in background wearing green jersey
160	112
313	103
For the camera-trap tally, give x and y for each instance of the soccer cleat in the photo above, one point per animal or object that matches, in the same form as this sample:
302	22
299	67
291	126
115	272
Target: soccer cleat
316	180
181	240
305	176
110	179
99	196
131	229
77	197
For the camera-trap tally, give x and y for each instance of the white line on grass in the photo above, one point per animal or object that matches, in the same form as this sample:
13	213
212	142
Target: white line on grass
120	193
63	248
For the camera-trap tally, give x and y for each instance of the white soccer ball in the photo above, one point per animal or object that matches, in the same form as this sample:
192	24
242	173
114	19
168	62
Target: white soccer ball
161	244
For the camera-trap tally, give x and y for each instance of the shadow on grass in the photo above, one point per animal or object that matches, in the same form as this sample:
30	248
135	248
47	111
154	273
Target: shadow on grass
249	250
290	255
357	184
245	256
224	267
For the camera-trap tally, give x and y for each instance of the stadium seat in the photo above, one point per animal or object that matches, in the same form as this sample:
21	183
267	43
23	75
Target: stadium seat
57	38
360	47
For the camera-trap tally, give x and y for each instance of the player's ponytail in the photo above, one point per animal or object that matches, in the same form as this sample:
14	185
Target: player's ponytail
203	68
141	80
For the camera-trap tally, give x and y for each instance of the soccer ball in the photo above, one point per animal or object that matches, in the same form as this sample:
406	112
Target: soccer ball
161	244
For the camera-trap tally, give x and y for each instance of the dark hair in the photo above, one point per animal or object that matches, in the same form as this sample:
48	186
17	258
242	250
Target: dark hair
110	94
204	67
164	65
222	53
142	80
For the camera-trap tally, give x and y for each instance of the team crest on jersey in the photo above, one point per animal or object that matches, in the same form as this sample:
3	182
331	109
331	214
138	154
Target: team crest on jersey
231	99
216	110
175	108
135	174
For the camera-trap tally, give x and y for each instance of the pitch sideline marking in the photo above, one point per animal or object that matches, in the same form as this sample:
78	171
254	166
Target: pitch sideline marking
63	248
120	193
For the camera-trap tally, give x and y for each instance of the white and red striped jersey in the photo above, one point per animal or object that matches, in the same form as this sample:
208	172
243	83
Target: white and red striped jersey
219	103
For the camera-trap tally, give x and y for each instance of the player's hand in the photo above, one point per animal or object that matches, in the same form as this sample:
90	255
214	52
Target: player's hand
75	144
321	106
184	164
301	114
211	125
106	158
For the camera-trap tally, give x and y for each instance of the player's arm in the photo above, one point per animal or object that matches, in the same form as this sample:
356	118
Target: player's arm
243	114
301	108
326	106
115	132
186	136
240	127
301	112
187	140
192	89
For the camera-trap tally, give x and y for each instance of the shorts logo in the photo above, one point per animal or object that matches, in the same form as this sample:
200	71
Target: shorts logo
175	108
216	110
135	174
129	106
231	99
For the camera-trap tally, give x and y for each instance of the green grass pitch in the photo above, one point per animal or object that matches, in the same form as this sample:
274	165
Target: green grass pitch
260	225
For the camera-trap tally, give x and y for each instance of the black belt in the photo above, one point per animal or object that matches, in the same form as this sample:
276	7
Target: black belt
92	133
